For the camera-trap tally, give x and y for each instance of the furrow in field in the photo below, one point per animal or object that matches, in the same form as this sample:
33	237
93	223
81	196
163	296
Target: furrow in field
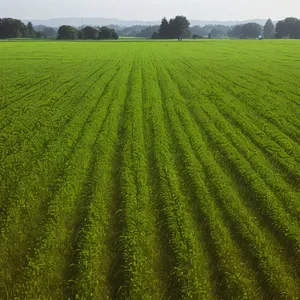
25	213
136	223
28	75
149	170
229	258
158	255
246	225
214	87
52	263
268	105
270	206
274	179
46	105
58	95
252	81
216	92
190	276
24	156
59	72
259	162
24	99
260	75
41	84
267	202
273	131
285	163
39	122
96	259
271	64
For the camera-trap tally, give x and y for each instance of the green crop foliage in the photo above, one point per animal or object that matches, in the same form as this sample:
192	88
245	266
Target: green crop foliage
150	170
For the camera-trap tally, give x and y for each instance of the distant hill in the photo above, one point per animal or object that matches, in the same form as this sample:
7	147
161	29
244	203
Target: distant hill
90	21
123	23
227	23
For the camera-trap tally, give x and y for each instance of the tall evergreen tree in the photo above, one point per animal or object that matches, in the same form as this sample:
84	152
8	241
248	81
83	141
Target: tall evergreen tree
164	29
29	26
214	33
269	30
30	30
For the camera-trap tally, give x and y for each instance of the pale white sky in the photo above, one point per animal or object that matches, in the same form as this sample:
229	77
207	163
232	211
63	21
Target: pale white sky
151	10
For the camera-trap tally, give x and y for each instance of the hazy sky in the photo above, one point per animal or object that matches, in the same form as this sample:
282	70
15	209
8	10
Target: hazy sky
151	9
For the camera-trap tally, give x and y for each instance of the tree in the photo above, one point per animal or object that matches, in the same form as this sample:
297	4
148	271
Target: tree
155	36
296	33
49	32
246	31
30	31
288	28
269	30
114	35
214	33
236	31
176	28
12	28
180	27
281	30
293	28
251	30
164	29
221	30
88	33
128	31
67	32
106	33
172	30
148	31
29	26
39	35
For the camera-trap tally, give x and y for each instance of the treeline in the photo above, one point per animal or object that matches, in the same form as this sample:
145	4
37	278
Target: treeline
179	28
175	28
67	32
213	31
288	28
13	28
142	31
45	31
246	31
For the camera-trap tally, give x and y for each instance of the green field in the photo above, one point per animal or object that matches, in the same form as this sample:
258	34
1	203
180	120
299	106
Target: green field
150	170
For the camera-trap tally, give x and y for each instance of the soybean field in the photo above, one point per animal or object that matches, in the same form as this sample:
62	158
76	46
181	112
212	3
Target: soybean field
150	170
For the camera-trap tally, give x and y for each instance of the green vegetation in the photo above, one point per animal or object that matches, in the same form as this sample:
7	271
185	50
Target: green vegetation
176	28
150	170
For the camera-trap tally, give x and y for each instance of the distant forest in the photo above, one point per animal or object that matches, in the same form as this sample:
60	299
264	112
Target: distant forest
175	28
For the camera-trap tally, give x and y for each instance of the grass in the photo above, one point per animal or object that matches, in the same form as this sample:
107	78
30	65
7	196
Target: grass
150	170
